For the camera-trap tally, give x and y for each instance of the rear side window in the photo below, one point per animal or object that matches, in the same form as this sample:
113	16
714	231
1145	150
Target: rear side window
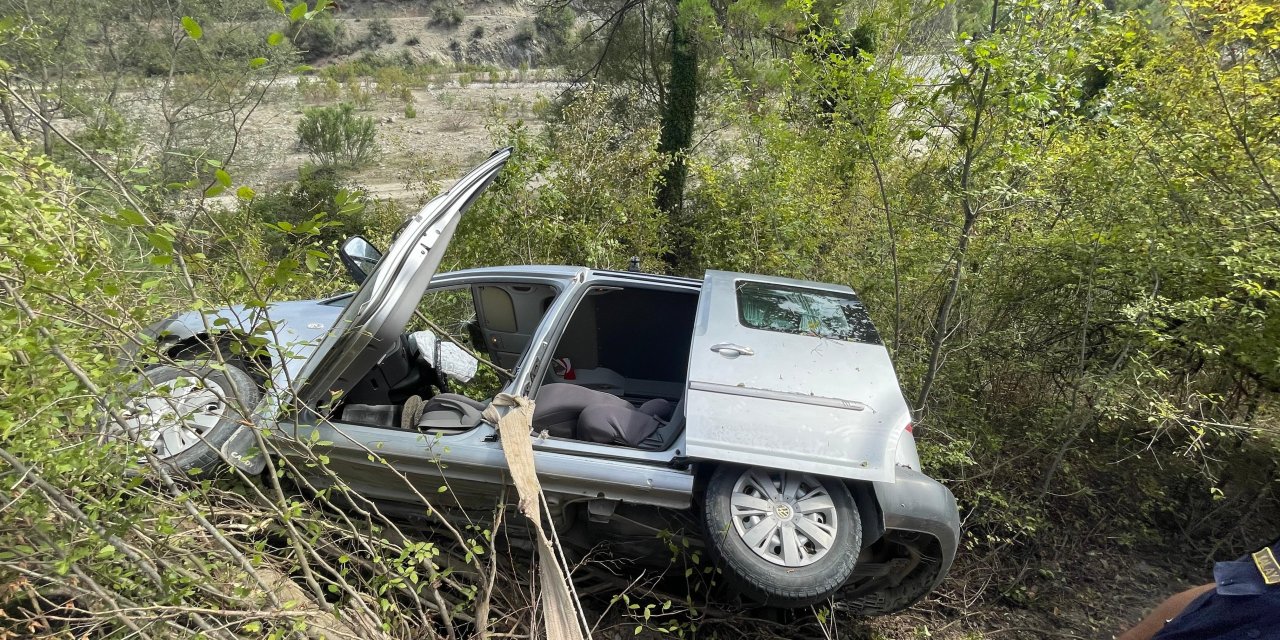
805	312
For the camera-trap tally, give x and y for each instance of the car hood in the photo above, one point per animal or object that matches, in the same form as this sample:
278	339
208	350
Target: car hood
292	329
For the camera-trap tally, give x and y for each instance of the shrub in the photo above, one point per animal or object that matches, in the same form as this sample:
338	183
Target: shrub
413	41
380	33
316	90
554	23
543	108
526	32
477	32
410	112
358	94
336	136
447	15
388	81
318	38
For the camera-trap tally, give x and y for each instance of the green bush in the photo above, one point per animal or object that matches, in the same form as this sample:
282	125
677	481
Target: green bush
319	38
337	136
526	33
447	15
554	24
380	33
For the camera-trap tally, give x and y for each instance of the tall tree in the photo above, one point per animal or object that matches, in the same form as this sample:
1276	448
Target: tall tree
679	114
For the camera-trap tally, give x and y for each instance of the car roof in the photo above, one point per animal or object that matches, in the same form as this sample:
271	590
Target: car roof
565	272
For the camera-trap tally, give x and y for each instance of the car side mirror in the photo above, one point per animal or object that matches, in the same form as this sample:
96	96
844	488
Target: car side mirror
359	257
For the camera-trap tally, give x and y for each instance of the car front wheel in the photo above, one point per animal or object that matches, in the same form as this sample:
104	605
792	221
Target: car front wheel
184	414
782	538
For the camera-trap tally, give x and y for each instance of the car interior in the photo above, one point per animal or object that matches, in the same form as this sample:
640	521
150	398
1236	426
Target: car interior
617	375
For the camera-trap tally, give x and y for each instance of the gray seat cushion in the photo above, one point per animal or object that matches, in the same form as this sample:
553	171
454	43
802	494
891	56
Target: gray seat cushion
608	424
450	412
666	434
559	405
658	408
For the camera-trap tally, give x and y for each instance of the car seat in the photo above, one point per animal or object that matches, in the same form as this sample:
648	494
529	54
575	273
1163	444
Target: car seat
571	411
450	413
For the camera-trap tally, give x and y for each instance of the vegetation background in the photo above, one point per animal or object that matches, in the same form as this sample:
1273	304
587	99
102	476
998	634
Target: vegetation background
1063	216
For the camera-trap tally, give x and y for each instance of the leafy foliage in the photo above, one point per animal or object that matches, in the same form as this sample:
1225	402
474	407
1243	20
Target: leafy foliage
1064	222
336	136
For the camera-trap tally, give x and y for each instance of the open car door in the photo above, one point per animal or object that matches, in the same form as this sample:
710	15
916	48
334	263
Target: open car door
370	326
791	375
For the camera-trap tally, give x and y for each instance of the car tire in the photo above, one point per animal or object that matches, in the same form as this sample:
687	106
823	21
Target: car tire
790	563
185	413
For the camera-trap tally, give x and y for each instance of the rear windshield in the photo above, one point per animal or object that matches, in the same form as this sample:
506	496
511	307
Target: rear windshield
806	312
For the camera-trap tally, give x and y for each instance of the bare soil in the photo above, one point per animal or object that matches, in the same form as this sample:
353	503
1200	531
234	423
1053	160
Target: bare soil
451	130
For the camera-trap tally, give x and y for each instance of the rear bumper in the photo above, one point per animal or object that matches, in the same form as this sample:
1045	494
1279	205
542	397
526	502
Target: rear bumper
916	502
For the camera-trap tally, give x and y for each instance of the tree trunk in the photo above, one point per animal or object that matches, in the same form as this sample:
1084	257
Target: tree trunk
678	113
966	230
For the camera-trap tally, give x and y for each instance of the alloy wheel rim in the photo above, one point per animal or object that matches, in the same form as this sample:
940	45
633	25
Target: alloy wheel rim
174	416
787	518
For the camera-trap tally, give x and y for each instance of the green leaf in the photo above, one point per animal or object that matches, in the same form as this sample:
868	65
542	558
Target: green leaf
245	193
223	177
257	63
106	551
214	190
160	241
132	217
192	27
276	37
298	10
278	5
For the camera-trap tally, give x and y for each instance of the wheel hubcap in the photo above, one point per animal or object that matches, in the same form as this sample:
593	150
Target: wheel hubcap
173	416
786	518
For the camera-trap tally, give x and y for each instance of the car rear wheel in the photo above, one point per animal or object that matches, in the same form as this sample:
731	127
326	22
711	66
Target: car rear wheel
184	414
782	538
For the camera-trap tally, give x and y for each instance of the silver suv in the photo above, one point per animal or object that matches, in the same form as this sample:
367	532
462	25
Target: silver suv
761	414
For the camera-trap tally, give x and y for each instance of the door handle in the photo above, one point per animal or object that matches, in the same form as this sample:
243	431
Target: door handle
730	350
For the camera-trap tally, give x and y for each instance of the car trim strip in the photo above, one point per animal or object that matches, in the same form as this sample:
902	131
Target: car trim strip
783	396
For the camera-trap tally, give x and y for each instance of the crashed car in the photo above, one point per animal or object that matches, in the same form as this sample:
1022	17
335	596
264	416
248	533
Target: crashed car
762	414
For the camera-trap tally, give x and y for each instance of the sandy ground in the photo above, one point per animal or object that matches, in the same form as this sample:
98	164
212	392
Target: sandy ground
448	133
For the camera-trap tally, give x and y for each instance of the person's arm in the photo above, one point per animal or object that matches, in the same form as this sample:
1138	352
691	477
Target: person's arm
1165	611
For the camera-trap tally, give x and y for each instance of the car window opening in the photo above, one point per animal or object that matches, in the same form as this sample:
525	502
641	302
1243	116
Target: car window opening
430	384
618	372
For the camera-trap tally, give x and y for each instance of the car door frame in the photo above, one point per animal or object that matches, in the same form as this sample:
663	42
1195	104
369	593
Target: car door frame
570	468
546	340
406	271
